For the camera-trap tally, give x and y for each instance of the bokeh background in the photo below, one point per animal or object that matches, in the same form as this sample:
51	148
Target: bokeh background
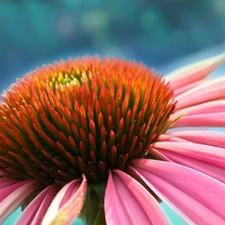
164	34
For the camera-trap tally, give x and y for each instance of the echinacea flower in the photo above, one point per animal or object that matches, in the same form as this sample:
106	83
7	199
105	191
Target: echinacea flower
94	139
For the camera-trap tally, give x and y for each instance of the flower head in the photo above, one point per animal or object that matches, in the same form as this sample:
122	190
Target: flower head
93	138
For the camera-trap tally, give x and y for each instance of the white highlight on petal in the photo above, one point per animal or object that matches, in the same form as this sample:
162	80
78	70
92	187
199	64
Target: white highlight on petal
194	72
67	204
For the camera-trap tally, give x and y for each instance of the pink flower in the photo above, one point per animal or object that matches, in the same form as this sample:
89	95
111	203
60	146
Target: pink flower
107	141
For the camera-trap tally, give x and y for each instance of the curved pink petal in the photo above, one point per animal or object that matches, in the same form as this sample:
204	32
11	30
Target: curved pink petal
35	211
215	171
167	137
194	72
187	87
207	137
203	158
208	107
210	154
128	202
201	120
5	182
67	204
198	198
208	91
159	154
14	195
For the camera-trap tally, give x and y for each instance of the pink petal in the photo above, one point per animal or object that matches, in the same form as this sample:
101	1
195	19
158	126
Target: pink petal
201	120
185	88
167	137
208	91
14	195
208	107
215	171
159	154
203	158
198	198
194	72
67	204
35	211
207	137
210	154
128	202
5	182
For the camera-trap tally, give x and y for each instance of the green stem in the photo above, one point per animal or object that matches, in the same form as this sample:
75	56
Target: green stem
93	210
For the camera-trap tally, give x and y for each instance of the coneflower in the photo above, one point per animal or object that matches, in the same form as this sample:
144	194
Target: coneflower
93	139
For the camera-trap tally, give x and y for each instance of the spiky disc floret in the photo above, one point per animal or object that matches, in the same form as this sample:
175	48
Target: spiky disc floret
82	116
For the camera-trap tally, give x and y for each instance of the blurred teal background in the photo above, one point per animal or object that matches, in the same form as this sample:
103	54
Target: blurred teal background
173	217
33	32
164	34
